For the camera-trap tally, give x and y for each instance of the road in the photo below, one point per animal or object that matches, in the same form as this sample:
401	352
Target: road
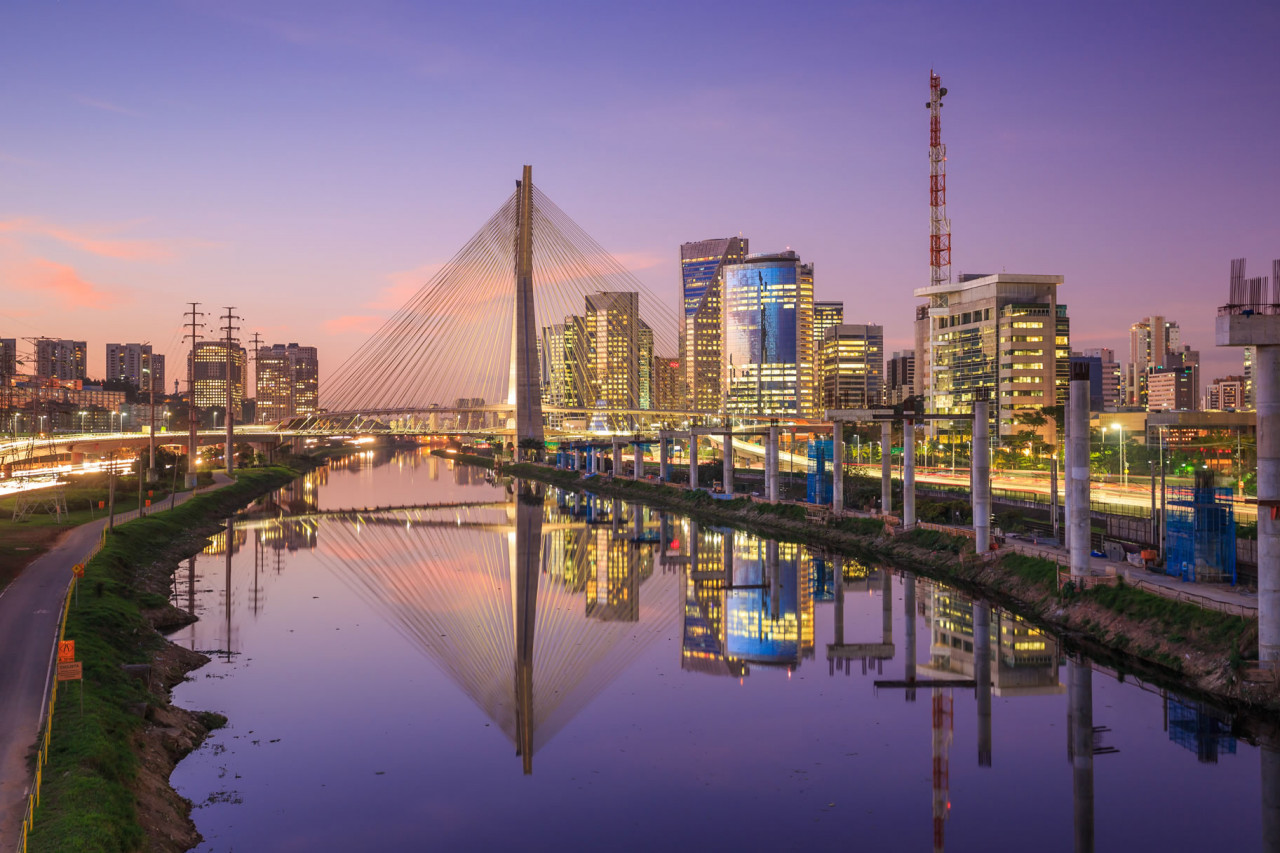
30	608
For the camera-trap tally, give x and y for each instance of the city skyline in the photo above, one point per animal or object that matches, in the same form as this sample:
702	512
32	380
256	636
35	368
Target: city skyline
283	187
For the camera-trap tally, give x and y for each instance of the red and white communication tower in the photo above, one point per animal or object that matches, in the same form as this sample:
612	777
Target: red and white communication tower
939	224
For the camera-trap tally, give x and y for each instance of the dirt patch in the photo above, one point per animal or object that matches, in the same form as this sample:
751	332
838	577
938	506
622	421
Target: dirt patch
169	735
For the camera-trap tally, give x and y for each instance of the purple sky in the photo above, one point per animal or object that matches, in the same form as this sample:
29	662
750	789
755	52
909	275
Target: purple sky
312	163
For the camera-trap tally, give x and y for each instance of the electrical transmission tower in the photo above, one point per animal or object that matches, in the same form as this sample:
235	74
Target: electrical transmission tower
939	224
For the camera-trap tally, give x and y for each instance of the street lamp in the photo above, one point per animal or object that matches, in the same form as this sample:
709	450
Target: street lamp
1124	472
82	414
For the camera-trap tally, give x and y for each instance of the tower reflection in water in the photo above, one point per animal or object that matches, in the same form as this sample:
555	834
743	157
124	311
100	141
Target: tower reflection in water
534	604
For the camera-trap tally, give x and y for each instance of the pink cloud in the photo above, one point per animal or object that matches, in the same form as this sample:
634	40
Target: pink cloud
125	250
42	276
354	323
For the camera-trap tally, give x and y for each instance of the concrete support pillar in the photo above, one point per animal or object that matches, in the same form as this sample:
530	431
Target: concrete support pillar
664	457
1266	385
982	677
775	578
617	458
981	471
886	606
837	569
691	546
638	468
908	474
726	555
615	516
1270	795
76	459
837	467
1078	474
886	467
909	629
637	521
1080	725
693	460
771	465
728	463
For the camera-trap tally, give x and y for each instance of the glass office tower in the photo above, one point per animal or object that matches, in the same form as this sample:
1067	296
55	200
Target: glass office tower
767	332
701	263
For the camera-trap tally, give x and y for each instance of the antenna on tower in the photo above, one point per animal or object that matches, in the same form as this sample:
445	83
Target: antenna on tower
939	224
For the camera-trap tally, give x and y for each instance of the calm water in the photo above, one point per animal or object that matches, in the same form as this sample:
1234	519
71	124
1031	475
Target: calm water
564	674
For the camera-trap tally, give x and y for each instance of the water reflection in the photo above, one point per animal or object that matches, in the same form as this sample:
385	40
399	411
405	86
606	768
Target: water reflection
533	602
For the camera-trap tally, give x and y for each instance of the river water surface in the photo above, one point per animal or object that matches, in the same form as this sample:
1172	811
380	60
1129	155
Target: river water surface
485	665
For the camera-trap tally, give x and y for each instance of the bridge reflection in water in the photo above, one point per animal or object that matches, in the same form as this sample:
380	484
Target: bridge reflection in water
534	603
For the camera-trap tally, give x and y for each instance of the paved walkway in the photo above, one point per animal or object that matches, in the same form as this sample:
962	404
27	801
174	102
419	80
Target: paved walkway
30	608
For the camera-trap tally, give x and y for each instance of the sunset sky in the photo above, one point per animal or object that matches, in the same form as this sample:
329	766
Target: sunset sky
313	162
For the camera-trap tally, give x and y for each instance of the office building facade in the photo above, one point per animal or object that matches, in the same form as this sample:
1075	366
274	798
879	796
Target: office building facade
701	265
1152	343
1171	389
286	382
767	350
613	327
1225	395
1004	333
899	377
207	365
851	364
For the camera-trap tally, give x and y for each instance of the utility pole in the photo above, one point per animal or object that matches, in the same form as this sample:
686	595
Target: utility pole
257	345
230	447
152	474
194	337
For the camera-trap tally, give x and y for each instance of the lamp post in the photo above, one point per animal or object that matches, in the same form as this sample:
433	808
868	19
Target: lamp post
82	414
1124	473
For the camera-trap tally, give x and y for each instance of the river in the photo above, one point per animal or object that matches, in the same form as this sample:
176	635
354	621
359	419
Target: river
492	664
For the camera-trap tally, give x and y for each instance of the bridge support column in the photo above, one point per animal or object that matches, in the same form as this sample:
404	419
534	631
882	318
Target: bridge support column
1080	732
886	467
982	676
909	631
637	470
664	457
76	459
771	465
617	458
1078	475
728	462
837	467
693	460
908	474
980	474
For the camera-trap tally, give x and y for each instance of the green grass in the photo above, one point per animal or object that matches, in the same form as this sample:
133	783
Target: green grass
1037	570
87	802
1173	618
934	540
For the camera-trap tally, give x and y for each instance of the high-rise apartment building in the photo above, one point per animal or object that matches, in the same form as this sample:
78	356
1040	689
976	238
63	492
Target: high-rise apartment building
1152	343
613	329
287	382
1112	376
1005	333
701	264
1225	394
1249	356
825	315
767	354
61	359
210	374
852	366
136	364
646	365
567	374
666	384
8	357
899	377
1171	389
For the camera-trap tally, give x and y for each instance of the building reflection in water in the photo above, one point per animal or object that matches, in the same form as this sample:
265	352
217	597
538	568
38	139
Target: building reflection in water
534	604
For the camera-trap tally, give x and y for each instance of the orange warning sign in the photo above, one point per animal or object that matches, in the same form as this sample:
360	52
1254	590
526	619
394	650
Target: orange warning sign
78	570
70	671
66	651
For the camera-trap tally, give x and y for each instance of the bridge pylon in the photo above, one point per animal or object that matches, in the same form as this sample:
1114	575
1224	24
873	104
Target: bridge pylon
524	390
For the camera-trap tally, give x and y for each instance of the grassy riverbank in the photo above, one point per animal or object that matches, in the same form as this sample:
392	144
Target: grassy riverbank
1201	651
106	784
